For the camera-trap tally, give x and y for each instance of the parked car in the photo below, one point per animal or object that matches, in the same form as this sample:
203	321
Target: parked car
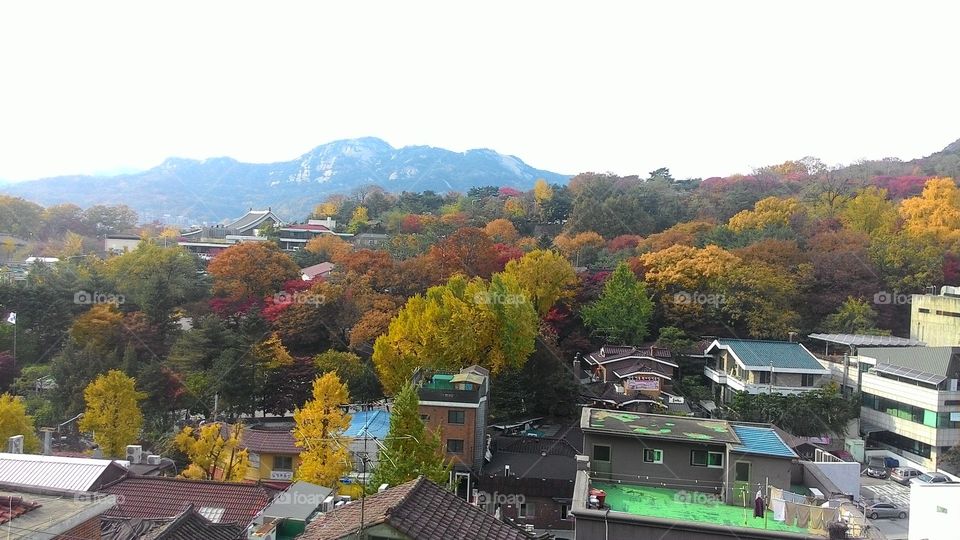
877	468
884	510
903	475
932	478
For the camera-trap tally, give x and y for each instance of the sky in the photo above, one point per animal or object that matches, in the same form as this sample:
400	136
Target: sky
704	88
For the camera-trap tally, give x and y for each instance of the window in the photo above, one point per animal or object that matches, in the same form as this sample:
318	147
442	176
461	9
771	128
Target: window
703	458
528	510
283	463
741	471
455	417
763	377
455	446
601	452
424	417
808	379
564	511
652	456
924	310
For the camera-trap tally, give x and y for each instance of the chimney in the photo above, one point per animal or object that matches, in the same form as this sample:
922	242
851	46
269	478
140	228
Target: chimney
576	369
506	470
15	444
47	440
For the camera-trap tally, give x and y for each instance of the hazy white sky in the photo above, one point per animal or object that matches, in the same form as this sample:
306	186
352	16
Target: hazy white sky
705	88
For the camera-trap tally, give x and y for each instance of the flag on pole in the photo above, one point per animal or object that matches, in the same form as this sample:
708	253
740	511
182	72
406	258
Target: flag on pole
12	318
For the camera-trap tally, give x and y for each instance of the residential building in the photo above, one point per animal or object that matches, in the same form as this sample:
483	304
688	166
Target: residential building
630	378
321	270
187	524
368	428
529	478
910	399
294	237
118	244
457	404
58	514
935	318
761	366
57	472
287	516
152	497
370	240
415	510
671	477
934	511
273	452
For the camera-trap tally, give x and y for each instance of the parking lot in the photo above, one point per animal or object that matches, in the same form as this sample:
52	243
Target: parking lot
872	489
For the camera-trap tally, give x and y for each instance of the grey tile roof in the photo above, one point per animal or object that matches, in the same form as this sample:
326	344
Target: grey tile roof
189	525
933	360
418	509
865	340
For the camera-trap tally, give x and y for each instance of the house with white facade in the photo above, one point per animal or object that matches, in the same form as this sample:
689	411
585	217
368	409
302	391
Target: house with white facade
762	366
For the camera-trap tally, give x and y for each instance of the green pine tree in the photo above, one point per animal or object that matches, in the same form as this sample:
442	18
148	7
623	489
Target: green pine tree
410	450
622	313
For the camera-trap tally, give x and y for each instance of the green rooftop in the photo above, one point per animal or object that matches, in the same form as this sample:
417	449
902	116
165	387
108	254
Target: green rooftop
686	506
661	426
440	381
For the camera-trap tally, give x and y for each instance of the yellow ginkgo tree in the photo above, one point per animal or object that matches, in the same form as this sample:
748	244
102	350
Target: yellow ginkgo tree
319	431
113	412
214	452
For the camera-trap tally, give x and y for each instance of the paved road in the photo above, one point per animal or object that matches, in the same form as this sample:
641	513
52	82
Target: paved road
892	492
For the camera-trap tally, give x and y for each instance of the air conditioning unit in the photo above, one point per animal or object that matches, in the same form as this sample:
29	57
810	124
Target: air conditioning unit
15	444
676	400
153	459
134	453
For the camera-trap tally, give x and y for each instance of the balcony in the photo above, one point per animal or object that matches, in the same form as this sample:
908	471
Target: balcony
714	375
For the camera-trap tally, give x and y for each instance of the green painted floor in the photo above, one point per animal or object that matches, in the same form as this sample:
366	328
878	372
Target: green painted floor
684	506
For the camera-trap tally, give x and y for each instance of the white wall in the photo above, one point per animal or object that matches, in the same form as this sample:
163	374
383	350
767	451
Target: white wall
934	512
845	475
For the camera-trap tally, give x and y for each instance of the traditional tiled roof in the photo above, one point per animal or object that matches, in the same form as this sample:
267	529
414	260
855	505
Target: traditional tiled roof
161	497
534	457
418	509
317	269
58	472
276	439
189	525
613	353
762	441
253	218
14	507
762	354
305	227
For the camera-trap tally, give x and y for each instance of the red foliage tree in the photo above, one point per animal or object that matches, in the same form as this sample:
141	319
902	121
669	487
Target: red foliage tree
468	251
411	223
506	253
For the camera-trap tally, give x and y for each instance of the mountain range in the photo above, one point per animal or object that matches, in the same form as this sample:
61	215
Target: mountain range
187	191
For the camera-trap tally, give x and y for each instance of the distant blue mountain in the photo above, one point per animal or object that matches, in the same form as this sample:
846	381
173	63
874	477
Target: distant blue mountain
187	190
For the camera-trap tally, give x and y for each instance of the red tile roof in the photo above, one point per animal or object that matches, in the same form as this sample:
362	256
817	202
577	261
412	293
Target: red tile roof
13	507
420	510
159	497
270	440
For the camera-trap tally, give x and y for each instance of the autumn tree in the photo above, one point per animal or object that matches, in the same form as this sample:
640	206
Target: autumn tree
356	373
320	425
542	192
113	412
870	212
769	212
15	421
358	220
622	313
410	449
251	270
457	324
101	327
157	279
214	452
545	276
468	251
501	230
935	213
328	247
855	316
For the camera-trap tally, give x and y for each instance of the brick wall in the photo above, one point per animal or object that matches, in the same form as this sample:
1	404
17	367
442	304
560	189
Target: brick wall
437	417
88	530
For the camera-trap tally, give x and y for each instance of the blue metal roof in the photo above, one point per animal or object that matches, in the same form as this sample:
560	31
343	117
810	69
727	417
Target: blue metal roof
781	354
761	440
368	424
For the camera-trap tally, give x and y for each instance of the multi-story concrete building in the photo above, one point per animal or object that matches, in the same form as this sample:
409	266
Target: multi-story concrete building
935	318
456	404
760	366
911	399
